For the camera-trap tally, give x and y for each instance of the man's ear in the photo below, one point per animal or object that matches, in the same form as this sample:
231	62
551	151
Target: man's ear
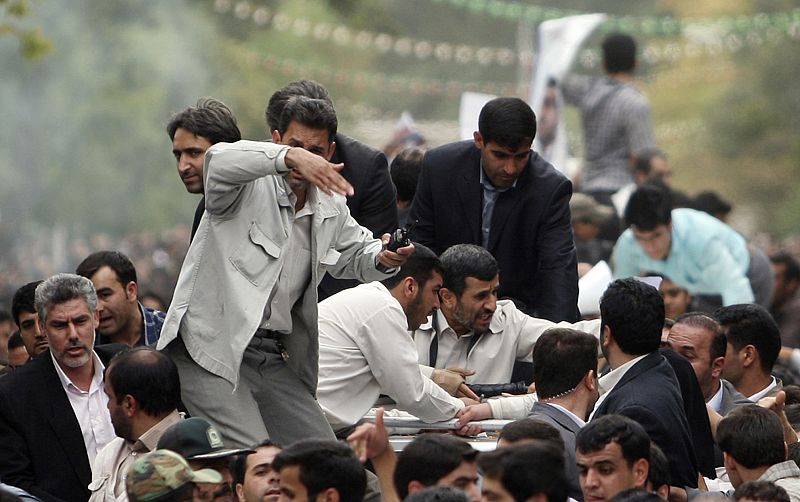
640	470
276	136
129	405
132	291
716	366
447	298
415	486
749	356
477	138
331	150
410	287
590	380
329	495
607	336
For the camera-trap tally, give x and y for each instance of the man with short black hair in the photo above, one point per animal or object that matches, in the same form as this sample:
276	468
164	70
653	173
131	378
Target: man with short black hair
649	164
255	479
494	191
786	299
527	430
123	319
405	171
321	471
533	472
192	132
752	442
143	398
613	454
437	459
754	343
695	250
642	385
23	310
760	491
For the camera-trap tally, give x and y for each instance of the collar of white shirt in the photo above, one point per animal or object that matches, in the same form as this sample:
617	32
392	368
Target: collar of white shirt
97	377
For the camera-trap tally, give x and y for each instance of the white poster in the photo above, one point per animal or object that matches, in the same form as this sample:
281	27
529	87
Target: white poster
470	109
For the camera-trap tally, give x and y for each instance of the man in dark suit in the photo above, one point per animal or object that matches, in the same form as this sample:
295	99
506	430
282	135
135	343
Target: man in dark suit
53	412
642	385
565	374
497	193
374	202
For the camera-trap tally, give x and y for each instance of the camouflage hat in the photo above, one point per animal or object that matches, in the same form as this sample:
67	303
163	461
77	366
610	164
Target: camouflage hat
196	439
161	473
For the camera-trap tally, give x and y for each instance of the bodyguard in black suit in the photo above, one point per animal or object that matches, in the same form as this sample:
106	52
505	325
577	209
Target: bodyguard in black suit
42	449
643	385
497	193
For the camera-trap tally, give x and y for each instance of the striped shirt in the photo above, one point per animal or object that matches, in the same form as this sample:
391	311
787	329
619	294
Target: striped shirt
616	125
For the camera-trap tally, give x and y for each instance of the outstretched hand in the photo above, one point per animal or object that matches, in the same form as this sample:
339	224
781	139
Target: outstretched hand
369	439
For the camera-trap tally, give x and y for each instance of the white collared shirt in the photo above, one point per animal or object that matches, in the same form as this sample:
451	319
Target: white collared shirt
90	408
575	418
763	392
609	381
716	400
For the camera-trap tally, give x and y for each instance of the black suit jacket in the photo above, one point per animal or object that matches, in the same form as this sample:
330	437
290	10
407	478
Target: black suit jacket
649	394
568	429
530	236
41	444
374	200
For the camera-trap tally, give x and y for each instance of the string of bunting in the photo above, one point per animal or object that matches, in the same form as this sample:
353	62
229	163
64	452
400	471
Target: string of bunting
698	40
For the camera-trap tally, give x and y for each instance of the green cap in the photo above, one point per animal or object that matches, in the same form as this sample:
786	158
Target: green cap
162	472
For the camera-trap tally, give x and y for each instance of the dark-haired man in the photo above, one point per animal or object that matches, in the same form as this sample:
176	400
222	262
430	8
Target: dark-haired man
754	343
244	315
255	480
786	300
613	455
320	471
143	396
642	385
695	250
372	203
123	319
526	473
752	442
494	191
192	131
365	349
437	459
616	119
23	310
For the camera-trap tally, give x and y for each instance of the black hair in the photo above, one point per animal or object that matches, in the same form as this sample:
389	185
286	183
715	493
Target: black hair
790	264
278	100
438	494
149	376
509	122
634	311
710	202
210	118
15	341
527	470
420	265
619	53
531	428
704	321
751	324
649	206
405	170
635	495
239	462
753	436
761	491
24	300
323	465
312	113
628	434
429	458
794	448
115	260
659	473
467	260
561	359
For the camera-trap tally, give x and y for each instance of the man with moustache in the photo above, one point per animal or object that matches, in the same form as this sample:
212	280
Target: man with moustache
23	310
255	479
53	414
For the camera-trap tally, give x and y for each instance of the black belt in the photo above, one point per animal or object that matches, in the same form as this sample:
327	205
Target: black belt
268	333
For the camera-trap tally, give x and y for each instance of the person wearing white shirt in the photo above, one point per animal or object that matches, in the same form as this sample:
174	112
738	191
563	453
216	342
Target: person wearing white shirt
365	347
475	330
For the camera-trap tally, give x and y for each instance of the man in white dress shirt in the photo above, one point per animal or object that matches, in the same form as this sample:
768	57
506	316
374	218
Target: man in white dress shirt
365	346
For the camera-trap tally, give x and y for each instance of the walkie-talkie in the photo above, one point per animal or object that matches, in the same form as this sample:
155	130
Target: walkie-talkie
399	238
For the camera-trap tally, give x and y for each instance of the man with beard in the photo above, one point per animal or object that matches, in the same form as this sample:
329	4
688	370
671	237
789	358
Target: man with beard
365	348
474	329
123	319
143	396
23	310
53	414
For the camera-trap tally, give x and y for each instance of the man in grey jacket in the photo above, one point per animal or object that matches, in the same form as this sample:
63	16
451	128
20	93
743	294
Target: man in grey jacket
242	327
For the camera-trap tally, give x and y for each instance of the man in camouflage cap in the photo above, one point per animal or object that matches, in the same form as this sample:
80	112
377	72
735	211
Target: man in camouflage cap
164	476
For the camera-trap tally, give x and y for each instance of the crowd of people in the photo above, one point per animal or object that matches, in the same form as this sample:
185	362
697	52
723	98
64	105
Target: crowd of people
300	303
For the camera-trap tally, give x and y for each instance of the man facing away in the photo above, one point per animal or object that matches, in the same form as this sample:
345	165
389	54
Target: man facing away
496	192
244	316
